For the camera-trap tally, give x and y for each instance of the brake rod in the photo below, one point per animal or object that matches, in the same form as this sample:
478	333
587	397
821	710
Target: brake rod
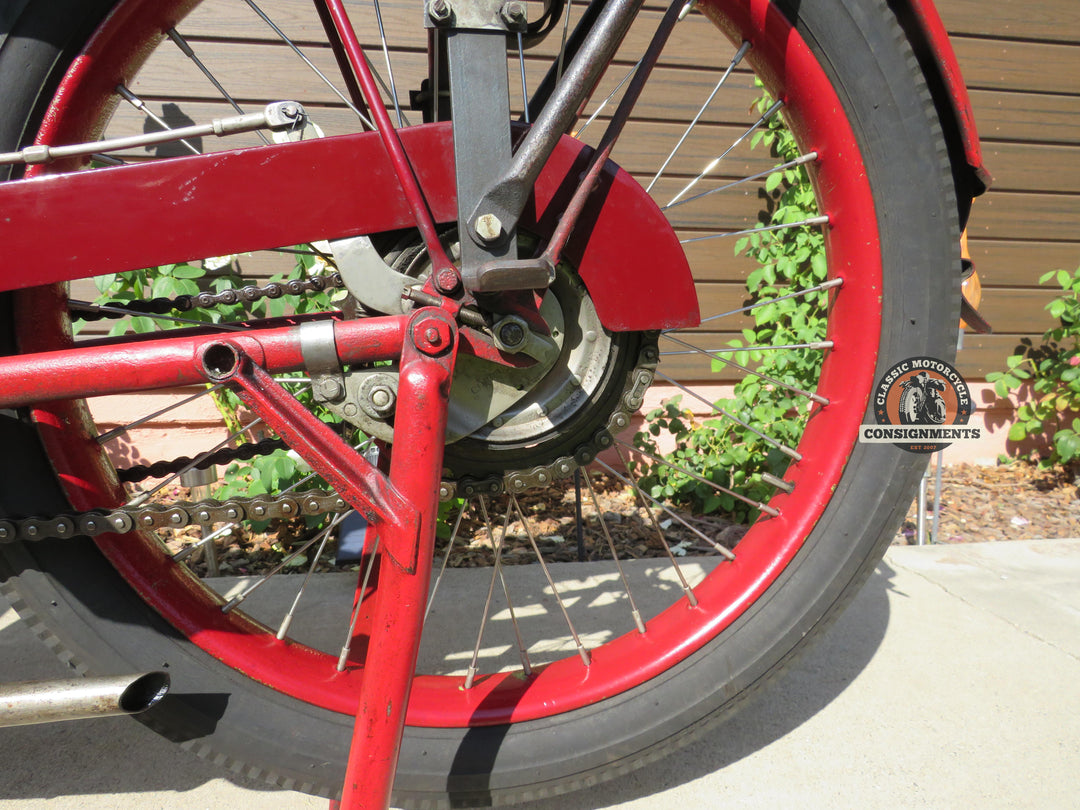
277	116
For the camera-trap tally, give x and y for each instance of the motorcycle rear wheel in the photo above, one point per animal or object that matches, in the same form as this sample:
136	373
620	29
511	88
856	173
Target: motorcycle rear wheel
85	607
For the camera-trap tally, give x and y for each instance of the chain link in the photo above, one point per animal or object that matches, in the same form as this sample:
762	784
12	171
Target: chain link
314	502
186	303
171	516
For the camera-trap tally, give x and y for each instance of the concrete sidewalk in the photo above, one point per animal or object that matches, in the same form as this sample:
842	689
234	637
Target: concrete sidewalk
951	682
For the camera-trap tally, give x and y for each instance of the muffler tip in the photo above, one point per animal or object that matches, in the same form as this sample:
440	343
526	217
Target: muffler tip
144	692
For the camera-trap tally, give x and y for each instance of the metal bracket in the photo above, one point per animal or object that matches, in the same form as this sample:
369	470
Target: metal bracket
477	15
319	351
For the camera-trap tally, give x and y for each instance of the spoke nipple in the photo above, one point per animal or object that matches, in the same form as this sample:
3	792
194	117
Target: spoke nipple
488	227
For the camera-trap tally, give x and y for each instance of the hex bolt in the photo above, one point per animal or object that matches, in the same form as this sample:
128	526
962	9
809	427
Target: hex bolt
447	281
488	227
331	388
440	12
512	334
513	14
431	335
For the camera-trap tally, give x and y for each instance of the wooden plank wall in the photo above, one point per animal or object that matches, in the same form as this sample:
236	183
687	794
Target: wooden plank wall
1021	61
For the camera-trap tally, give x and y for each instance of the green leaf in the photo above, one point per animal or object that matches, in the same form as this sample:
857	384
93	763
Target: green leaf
188	271
1017	432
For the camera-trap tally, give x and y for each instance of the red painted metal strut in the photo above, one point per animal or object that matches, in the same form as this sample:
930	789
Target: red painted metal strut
401	507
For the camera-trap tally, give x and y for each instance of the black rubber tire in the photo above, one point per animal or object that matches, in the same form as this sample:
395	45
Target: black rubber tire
80	605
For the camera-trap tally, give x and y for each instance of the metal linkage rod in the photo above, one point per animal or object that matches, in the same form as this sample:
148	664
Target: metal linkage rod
277	116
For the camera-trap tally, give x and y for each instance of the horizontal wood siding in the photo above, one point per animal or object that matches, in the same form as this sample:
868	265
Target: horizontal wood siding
1021	61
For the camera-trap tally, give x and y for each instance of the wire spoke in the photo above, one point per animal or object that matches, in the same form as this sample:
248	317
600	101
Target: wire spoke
769	113
283	628
629	75
140	105
112	434
783	448
445	560
316	537
764	507
791	164
184	553
582	652
821	344
141	497
346	648
389	67
636	485
734	61
820	400
322	76
688	592
812	221
827	285
611	546
521	67
496	574
189	52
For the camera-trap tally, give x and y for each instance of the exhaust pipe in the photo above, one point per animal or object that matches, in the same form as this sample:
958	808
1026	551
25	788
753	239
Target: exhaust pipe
31	702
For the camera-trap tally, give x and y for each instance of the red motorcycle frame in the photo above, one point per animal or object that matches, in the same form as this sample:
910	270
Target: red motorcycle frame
169	219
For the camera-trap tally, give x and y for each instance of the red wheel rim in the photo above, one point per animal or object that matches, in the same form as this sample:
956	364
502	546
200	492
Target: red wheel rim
784	60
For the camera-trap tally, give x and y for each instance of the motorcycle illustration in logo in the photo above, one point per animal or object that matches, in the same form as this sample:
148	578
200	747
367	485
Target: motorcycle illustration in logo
921	402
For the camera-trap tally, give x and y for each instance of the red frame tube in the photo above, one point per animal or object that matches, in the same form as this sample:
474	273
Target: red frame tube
403	169
111	367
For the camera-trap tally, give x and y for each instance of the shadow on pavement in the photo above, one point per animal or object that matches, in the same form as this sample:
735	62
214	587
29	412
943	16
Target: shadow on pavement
120	756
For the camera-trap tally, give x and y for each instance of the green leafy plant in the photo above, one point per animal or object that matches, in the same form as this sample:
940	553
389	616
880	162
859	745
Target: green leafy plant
261	474
1052	371
730	449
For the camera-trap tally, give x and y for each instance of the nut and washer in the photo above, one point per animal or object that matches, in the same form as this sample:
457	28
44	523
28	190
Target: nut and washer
514	15
432	336
440	12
